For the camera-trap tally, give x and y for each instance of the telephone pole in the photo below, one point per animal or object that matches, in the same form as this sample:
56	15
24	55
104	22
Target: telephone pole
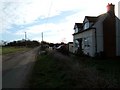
25	39
42	36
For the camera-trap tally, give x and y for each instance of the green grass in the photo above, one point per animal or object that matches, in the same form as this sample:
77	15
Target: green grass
0	50
52	72
7	50
46	73
108	69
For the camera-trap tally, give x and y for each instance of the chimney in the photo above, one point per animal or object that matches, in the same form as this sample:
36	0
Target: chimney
110	8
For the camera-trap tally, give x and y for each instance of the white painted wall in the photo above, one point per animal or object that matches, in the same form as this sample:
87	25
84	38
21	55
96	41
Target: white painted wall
119	9
99	32
74	44
74	47
87	34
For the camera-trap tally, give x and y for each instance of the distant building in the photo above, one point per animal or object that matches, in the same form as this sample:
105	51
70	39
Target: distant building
98	35
70	47
3	43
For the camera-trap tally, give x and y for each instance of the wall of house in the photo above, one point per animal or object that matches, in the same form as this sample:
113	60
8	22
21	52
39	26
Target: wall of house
90	23
119	9
109	36
90	36
74	44
99	32
118	31
117	36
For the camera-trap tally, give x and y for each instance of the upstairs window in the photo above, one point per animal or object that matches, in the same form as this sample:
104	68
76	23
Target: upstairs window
76	30
86	25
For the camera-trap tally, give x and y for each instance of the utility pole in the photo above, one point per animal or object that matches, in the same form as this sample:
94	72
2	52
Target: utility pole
42	41
25	39
42	36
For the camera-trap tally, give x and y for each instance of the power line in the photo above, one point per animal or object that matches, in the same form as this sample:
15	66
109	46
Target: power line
49	11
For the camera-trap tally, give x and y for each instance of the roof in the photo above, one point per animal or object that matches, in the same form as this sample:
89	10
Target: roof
70	42
79	25
92	18
84	30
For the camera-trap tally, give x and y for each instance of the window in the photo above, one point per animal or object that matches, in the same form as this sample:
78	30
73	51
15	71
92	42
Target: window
86	42
76	30
86	26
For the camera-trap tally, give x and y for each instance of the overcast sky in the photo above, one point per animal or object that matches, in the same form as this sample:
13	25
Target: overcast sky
55	18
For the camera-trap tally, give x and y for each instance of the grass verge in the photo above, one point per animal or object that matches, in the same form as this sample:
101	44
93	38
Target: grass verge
108	69
46	73
55	72
0	50
7	50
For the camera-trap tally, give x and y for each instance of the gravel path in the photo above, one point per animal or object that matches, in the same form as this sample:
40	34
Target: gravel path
16	68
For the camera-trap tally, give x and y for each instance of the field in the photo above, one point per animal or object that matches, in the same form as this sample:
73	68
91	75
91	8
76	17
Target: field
59	71
7	50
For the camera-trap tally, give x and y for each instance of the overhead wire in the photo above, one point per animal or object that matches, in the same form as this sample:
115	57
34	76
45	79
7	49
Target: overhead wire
49	11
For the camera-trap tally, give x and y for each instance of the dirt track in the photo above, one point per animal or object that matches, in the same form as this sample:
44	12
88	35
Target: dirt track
16	68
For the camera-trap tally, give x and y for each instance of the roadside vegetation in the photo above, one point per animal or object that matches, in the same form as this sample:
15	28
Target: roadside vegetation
7	50
16	46
106	72
53	70
57	70
49	73
0	50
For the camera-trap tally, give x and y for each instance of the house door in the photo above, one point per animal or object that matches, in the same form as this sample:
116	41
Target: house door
80	44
